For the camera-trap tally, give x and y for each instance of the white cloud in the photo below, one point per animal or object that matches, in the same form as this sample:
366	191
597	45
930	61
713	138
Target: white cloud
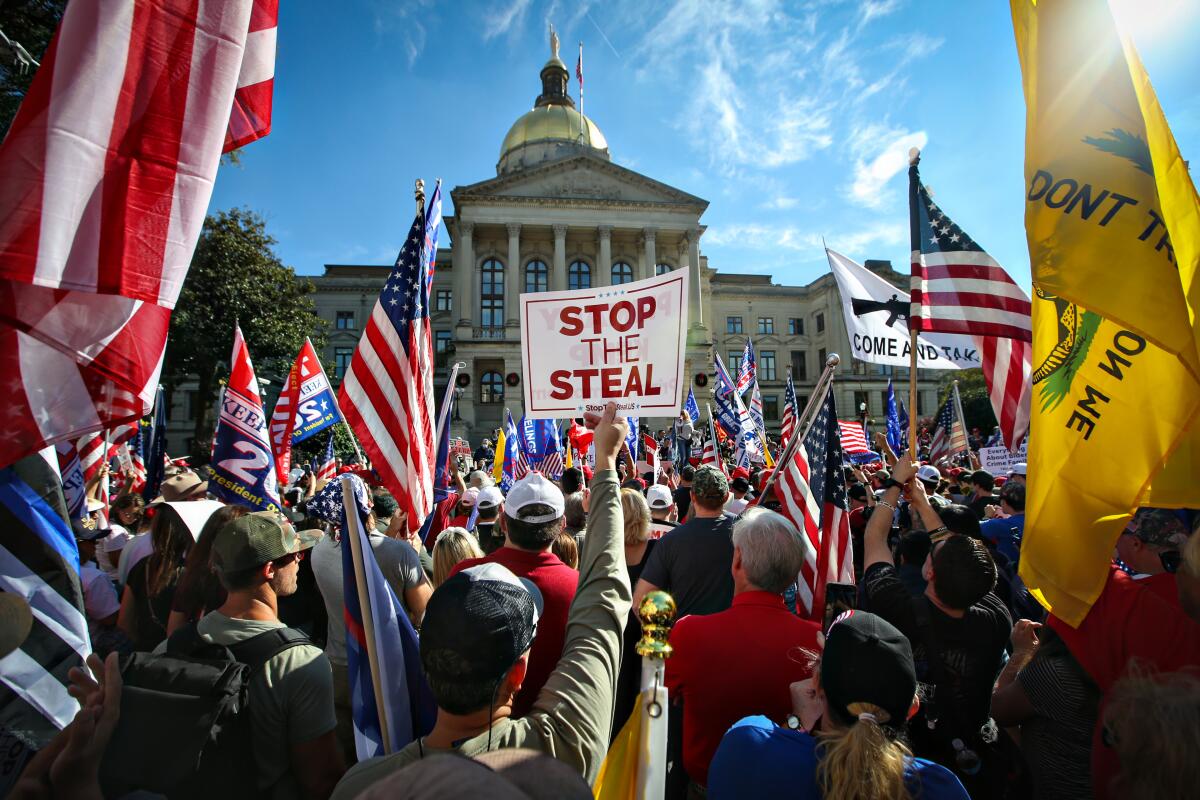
760	236
873	9
503	19
780	203
880	153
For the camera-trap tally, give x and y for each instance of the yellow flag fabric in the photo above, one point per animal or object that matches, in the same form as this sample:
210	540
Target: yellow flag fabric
762	437
498	466
570	462
1116	366
618	778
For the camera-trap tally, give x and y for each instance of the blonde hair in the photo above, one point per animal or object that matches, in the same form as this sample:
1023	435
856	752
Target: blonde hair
861	761
452	546
637	516
566	548
1154	723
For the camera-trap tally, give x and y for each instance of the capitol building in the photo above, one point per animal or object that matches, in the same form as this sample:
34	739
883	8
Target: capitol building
560	214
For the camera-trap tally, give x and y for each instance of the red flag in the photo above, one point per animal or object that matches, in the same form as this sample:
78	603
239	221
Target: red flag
108	169
283	418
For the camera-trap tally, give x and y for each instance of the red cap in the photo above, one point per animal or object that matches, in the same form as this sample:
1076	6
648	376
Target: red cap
1000	480
741	472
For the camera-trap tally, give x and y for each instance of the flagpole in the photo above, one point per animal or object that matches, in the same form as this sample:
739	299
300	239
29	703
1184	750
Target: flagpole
444	413
914	157
353	533
805	423
962	420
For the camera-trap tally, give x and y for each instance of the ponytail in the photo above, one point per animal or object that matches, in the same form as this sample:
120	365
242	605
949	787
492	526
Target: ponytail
862	762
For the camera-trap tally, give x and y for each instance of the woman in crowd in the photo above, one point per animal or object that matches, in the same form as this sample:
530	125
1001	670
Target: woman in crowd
845	740
575	515
452	546
638	546
566	549
199	589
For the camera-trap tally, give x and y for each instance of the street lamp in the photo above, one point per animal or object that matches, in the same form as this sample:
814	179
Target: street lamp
458	393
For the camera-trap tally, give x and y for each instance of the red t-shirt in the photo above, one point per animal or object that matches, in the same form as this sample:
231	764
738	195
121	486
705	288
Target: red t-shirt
734	664
557	583
1130	620
441	519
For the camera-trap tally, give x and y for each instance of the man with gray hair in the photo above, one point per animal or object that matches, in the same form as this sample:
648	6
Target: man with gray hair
767	640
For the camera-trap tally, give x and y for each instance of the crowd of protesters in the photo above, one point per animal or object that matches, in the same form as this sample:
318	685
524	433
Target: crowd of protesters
944	679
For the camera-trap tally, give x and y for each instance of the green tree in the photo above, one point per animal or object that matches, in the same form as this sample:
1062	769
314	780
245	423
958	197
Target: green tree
976	403
31	24
235	277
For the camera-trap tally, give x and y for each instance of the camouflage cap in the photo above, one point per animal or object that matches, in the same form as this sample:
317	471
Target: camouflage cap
710	485
255	539
1158	527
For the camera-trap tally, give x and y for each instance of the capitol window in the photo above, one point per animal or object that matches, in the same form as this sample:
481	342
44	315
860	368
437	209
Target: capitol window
491	295
766	324
579	275
345	320
661	269
766	365
536	277
491	388
621	273
733	324
441	300
795	326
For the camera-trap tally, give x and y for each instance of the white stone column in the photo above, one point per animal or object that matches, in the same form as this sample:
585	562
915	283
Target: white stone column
464	300
558	279
604	266
512	275
695	302
649	258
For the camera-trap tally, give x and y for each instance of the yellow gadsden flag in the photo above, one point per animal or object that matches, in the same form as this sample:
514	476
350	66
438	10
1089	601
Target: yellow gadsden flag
1116	376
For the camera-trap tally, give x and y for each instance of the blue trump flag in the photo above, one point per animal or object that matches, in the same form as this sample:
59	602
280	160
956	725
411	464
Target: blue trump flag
633	437
409	706
895	433
692	407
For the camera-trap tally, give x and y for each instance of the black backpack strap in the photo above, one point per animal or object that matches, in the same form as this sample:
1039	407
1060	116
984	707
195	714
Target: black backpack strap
186	641
258	650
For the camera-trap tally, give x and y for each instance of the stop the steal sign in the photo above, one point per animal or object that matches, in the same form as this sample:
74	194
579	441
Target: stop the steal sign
623	343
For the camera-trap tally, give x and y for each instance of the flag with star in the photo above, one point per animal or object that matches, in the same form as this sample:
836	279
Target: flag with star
387	393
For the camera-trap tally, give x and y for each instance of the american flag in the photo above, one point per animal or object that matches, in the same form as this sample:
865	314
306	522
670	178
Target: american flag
712	451
791	412
387	394
108	169
93	454
328	468
748	368
853	438
958	288
552	462
949	437
813	496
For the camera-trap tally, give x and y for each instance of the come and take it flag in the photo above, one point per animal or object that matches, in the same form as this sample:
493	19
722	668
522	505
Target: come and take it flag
387	394
306	406
949	437
812	495
243	470
958	288
408	704
1117	363
108	169
39	562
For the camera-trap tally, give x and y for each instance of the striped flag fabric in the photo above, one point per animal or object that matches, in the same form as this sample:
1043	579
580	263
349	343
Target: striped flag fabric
387	393
39	562
328	467
958	288
712	451
949	438
813	496
108	170
853	438
93	454
409	707
791	412
72	479
552	462
251	116
748	369
433	226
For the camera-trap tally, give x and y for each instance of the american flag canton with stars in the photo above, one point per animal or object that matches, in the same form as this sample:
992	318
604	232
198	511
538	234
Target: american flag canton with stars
405	296
327	504
824	448
938	233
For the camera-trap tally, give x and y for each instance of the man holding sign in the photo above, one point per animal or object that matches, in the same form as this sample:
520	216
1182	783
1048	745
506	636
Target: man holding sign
584	348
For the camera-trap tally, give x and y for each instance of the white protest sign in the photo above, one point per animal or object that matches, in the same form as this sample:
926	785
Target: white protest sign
625	343
877	323
998	461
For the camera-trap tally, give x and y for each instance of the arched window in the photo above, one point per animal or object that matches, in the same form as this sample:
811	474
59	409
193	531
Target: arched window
491	294
659	269
491	388
579	275
621	273
536	277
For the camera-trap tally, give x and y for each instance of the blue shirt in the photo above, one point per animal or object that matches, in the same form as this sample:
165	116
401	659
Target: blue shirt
1006	534
757	758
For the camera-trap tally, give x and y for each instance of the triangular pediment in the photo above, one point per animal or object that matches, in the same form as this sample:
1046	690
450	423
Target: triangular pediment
579	178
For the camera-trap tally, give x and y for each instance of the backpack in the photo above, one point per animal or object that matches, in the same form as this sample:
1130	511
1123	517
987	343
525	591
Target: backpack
185	728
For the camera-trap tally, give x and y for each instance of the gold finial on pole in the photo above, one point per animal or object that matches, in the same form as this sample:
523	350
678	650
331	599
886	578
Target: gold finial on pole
657	614
419	192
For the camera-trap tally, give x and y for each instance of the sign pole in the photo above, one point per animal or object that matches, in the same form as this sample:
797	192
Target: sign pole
805	423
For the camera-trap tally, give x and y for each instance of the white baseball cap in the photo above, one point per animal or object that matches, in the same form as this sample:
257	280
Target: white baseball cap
1018	468
490	496
659	496
535	488
929	473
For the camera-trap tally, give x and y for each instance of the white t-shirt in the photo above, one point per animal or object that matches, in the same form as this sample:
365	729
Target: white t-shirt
138	548
736	505
99	597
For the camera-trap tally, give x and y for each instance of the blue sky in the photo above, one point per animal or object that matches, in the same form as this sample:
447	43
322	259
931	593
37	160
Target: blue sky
791	118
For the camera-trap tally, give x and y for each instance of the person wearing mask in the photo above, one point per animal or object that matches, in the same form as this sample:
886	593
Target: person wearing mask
845	740
768	553
693	561
475	649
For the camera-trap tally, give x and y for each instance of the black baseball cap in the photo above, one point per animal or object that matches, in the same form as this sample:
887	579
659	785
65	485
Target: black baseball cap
478	623
867	660
86	530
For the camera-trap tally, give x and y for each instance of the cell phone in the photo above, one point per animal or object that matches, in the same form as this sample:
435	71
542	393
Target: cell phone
839	597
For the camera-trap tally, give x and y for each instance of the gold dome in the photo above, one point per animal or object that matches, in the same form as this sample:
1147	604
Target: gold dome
553	123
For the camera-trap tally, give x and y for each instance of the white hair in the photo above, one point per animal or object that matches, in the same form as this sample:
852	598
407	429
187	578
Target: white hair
772	549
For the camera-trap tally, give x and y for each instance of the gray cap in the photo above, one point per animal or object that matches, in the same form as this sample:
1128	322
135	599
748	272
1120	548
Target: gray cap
710	484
